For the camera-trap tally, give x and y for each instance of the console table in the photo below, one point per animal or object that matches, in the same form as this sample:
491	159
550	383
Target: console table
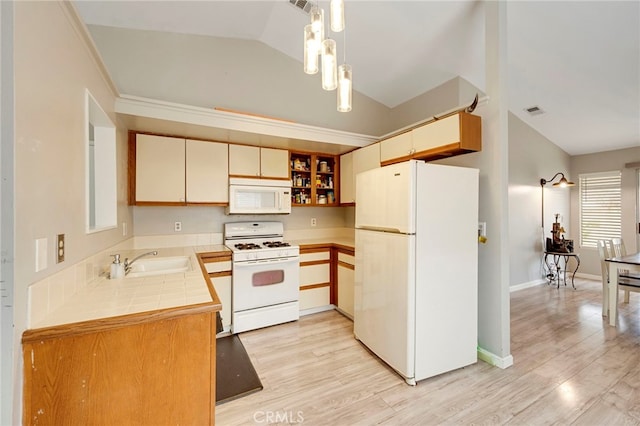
557	258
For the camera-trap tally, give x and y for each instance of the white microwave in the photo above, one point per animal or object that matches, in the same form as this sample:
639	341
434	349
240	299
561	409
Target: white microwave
259	196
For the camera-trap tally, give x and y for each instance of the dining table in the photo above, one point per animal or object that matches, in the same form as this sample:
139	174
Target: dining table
629	263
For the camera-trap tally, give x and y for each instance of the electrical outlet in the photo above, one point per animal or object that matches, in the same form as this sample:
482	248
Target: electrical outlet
313	221
60	248
177	227
482	229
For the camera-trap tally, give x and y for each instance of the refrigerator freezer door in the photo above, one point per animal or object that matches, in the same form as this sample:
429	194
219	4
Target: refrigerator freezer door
384	297
385	198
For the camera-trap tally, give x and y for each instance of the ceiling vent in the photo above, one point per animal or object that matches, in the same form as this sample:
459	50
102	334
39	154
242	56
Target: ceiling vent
303	5
534	110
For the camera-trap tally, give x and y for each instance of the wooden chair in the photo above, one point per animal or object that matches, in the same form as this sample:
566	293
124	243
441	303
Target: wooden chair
626	281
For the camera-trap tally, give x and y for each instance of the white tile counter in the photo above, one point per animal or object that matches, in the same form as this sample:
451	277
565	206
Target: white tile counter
104	298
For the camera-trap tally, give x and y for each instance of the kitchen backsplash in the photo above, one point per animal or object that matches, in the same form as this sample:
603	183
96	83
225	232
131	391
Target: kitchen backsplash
203	219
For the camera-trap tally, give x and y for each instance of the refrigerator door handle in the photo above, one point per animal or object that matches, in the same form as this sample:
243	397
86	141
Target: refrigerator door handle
382	229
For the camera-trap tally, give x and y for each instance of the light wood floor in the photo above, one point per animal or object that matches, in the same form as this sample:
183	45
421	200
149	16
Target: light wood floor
570	367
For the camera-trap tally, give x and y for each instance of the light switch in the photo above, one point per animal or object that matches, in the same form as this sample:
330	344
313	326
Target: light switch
41	254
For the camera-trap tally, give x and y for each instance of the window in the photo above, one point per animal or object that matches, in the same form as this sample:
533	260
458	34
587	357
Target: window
600	207
101	182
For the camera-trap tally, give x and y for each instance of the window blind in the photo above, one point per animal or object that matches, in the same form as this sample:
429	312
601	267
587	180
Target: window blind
600	207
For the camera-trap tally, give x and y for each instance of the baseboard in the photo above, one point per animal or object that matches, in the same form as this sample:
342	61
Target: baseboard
589	276
529	284
317	310
495	360
344	313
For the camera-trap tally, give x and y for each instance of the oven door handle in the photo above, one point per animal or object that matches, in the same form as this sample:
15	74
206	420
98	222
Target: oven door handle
267	261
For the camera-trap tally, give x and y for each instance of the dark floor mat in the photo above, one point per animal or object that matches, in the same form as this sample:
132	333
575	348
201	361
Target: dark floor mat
235	375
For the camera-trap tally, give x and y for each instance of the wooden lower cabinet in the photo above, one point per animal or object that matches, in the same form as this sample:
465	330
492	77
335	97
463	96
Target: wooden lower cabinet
155	368
315	277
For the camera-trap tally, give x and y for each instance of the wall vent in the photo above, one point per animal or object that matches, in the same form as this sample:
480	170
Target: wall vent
303	5
534	110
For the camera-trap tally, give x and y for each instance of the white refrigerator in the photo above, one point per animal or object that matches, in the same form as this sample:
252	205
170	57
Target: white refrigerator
416	271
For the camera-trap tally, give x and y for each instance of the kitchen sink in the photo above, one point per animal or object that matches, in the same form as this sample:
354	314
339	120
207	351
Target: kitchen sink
159	266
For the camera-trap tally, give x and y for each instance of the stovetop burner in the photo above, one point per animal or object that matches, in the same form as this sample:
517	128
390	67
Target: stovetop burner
247	246
275	244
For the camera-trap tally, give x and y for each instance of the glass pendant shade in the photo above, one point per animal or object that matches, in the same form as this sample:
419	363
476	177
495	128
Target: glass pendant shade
344	88
317	22
336	13
329	65
311	49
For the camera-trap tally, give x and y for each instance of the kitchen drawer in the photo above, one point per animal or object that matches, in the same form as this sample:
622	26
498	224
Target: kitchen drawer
315	274
315	256
213	267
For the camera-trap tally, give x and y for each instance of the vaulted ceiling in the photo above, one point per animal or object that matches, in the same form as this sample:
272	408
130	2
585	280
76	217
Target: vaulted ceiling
578	61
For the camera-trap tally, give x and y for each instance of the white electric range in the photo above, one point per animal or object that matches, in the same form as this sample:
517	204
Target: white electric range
266	275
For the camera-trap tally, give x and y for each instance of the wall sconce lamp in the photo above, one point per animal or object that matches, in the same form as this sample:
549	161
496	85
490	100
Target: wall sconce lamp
562	183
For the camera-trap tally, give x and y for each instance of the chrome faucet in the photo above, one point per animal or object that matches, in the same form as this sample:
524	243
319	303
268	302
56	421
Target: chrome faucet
127	263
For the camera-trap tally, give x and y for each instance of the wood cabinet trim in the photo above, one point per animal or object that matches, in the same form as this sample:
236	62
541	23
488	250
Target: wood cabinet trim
131	168
345	249
346	265
315	262
312	286
215	256
216	204
220	274
259	177
103	324
314	248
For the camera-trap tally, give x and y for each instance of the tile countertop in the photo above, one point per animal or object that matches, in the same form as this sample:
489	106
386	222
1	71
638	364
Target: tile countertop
105	298
348	243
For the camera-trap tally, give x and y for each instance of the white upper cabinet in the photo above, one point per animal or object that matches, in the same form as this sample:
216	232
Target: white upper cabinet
366	158
456	134
244	160
347	188
396	147
207	172
351	164
253	161
160	169
178	171
439	133
274	163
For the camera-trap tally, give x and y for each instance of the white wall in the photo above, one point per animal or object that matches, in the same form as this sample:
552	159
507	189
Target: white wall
532	157
239	74
54	64
6	213
604	162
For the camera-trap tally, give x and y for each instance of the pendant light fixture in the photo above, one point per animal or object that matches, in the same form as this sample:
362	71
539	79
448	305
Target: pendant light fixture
311	50
336	12
322	51
317	23
344	88
329	65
